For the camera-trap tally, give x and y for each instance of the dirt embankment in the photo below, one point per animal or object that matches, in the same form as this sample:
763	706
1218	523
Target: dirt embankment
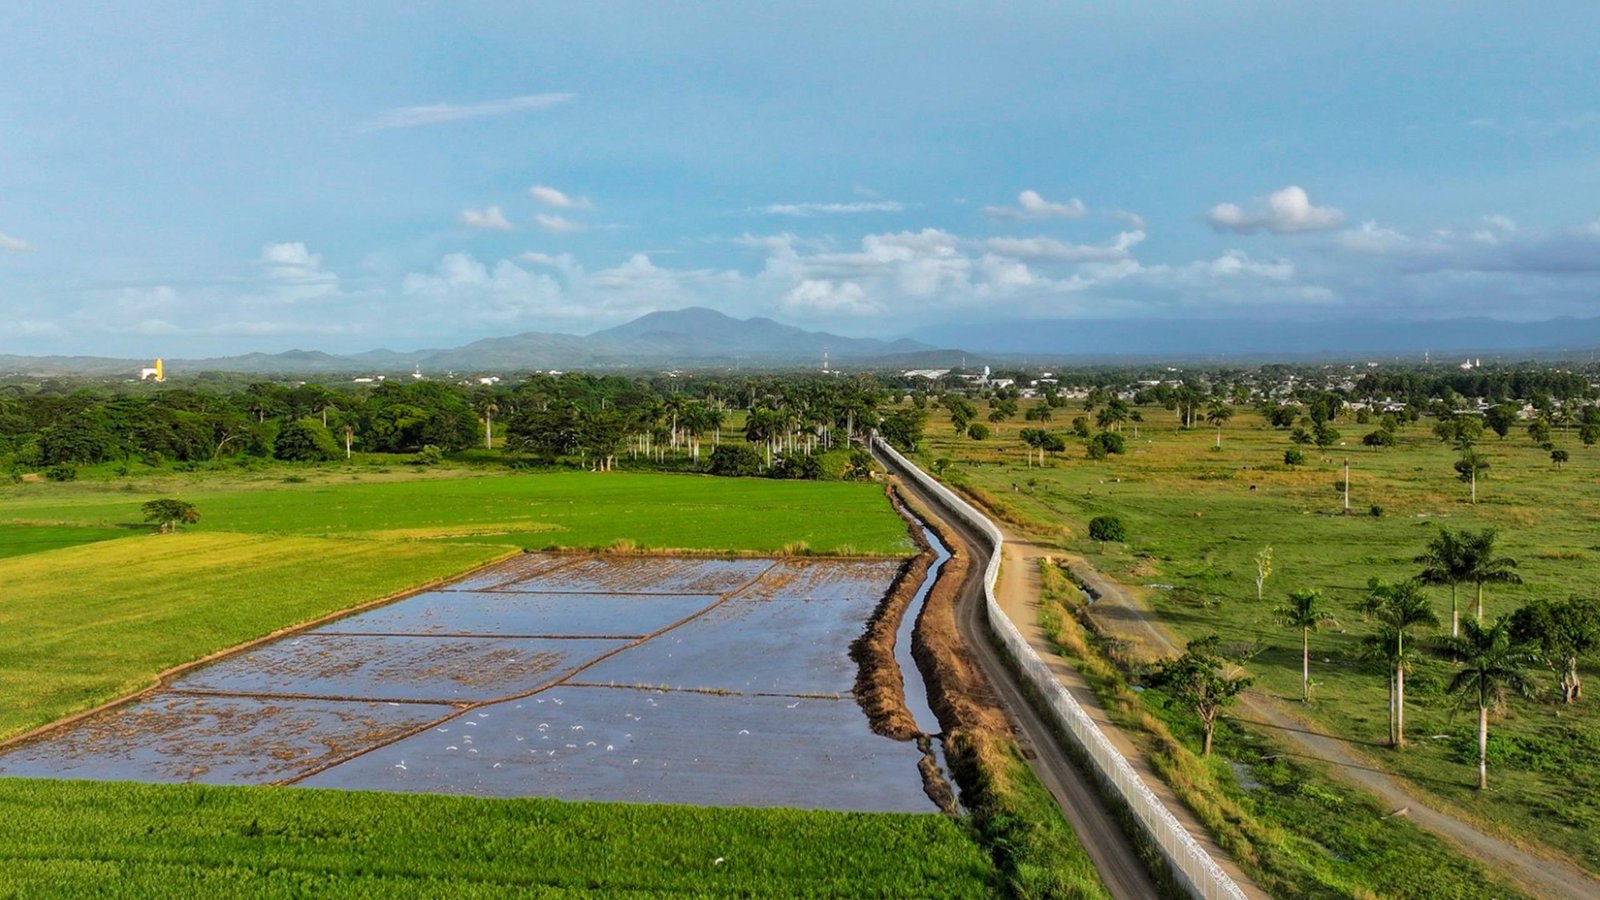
880	685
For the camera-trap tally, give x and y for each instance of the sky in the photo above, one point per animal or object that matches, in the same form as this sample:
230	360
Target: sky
209	178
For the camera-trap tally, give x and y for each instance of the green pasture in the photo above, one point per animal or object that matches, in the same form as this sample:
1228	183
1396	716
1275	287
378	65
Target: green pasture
560	508
1197	517
83	839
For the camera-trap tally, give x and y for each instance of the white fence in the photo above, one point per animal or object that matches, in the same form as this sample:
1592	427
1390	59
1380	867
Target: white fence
1190	863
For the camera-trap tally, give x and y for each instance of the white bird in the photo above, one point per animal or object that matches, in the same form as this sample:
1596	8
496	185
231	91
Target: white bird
472	749
452	747
483	715
401	765
636	762
442	730
744	731
717	861
794	704
609	748
519	738
496	765
473	724
590	744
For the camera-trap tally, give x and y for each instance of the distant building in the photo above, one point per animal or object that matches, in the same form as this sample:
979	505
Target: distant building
154	373
489	379
930	374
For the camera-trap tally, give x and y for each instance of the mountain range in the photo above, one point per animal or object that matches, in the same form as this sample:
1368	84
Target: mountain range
704	338
686	337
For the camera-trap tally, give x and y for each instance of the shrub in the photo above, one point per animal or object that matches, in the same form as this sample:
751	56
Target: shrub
62	472
978	431
1110	442
1294	456
734	461
1107	528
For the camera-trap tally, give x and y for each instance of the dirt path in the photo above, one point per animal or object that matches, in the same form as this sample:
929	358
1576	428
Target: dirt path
1124	615
1018	593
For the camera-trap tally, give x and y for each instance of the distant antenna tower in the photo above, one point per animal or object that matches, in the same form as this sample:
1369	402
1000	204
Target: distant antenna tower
824	359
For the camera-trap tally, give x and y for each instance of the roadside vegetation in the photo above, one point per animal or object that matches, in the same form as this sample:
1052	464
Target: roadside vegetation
72	839
1218	536
1298	831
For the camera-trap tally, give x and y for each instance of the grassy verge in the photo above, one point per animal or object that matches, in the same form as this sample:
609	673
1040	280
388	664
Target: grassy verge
1291	825
1036	850
74	839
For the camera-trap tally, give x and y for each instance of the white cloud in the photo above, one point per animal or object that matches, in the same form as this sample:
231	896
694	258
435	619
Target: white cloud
1284	212
491	219
1046	249
830	298
1030	205
1131	219
14	245
815	209
550	196
437	113
293	273
555	223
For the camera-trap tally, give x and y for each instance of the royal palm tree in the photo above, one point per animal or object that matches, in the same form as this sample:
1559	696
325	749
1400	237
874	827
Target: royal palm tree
1493	668
1399	609
1219	414
1445	562
1304	610
1483	567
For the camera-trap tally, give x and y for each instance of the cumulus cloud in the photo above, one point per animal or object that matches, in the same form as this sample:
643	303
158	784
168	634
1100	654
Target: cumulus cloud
293	274
491	219
13	245
1030	205
830	209
555	223
830	298
438	113
550	196
1284	212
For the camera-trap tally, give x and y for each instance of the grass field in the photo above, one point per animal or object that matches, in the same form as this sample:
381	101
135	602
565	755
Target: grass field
22	539
565	508
1197	517
74	839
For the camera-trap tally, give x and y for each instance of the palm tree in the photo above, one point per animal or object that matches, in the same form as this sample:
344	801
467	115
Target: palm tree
1218	414
1494	666
487	410
1398	609
1305	611
1445	562
1481	566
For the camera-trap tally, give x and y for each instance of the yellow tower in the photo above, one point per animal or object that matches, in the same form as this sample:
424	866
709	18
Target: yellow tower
161	373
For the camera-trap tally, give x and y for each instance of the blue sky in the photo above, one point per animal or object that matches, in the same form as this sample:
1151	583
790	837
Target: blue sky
198	178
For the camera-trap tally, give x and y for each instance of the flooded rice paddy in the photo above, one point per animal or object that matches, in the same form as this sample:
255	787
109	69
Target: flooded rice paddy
713	682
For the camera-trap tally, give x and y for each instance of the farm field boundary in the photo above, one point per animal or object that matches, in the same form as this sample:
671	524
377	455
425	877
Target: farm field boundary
1191	865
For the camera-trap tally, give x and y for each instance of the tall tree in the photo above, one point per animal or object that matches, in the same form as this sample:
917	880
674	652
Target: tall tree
1218	414
1398	609
1482	566
1198	680
1468	467
1304	610
1494	666
1444	561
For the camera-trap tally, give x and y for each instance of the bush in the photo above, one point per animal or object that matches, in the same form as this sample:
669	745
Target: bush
1294	456
1110	442
1107	528
61	472
1376	511
734	461
796	465
978	431
429	455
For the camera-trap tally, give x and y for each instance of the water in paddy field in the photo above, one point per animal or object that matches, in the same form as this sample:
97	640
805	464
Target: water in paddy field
713	682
